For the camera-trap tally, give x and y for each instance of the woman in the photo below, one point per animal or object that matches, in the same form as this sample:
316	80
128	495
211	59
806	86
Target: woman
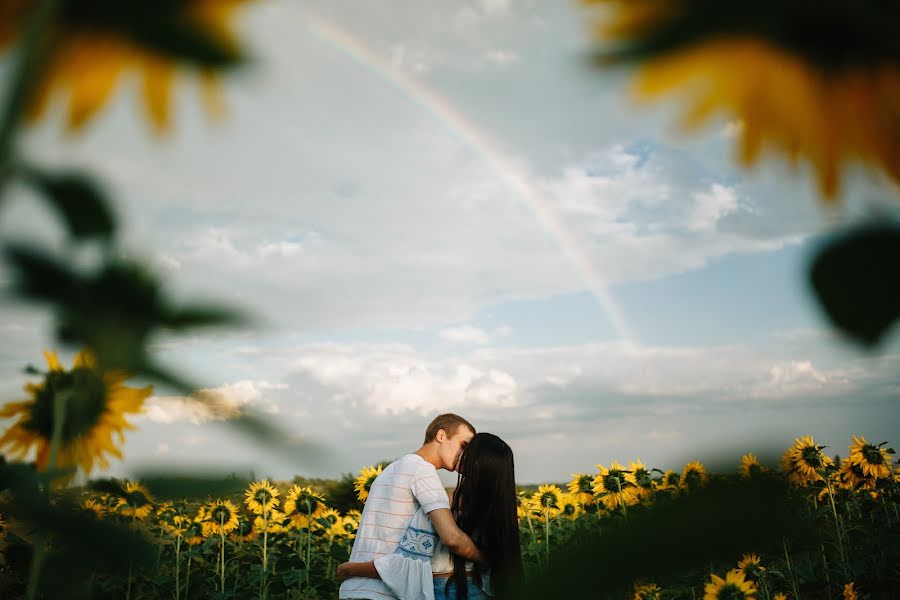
484	506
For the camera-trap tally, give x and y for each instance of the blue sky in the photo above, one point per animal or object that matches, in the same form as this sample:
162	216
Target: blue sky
418	227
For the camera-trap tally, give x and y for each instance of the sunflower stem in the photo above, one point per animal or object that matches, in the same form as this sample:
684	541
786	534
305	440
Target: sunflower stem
178	565
533	535
263	589
222	553
787	558
60	401
130	564
827	576
837	524
308	540
24	76
547	533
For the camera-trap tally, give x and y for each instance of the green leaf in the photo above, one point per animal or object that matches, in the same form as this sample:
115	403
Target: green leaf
856	278
80	202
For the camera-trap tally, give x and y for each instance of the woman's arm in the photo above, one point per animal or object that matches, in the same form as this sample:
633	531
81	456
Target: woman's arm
357	569
453	537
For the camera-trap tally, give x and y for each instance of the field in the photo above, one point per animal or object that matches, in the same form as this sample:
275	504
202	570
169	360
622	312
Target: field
282	540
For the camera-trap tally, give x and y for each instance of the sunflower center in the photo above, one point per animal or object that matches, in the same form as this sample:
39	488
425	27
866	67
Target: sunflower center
812	457
731	592
86	403
221	514
136	499
569	510
611	482
872	455
548	499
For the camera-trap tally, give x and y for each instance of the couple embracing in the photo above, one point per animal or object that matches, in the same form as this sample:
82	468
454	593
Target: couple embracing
414	543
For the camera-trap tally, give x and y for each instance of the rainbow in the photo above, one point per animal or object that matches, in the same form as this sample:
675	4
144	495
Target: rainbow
463	129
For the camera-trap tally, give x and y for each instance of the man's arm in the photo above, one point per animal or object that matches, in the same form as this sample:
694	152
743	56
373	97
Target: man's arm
453	537
357	569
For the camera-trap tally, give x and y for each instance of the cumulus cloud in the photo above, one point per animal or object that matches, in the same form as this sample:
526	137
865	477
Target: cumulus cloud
396	380
225	402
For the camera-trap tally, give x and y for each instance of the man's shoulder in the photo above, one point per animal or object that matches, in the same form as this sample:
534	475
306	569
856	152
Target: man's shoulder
407	464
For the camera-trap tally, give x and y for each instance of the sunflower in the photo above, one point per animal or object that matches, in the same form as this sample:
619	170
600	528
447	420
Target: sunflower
302	505
612	488
639	476
135	502
219	517
780	596
580	487
569	506
693	476
191	530
733	587
874	461
829	98
804	462
349	524
547	500
364	480
849	592
93	507
750	466
750	565
852	477
91	46
273	522
244	532
647	591
261	497
96	406
668	481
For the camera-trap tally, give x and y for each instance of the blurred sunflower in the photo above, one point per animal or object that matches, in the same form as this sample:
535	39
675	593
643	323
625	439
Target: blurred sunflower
852	477
639	476
612	488
874	461
219	517
547	499
96	408
271	522
668	481
191	530
849	592
93	44
780	596
350	523
135	502
93	507
830	98
261	497
244	531
804	462
569	506
302	505
732	587
647	591
363	482
580	487
750	466
751	566
693	476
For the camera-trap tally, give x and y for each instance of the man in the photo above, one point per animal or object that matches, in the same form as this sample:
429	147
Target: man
397	493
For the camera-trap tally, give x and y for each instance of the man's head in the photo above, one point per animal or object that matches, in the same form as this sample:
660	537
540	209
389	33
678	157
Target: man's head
451	433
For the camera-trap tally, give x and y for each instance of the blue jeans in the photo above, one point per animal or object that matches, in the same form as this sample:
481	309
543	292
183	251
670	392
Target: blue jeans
443	591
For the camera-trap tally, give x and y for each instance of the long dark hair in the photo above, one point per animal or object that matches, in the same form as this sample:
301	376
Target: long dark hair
484	506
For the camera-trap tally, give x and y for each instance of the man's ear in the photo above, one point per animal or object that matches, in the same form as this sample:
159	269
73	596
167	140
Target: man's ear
441	436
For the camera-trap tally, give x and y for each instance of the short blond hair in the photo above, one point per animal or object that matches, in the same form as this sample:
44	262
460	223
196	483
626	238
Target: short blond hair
449	422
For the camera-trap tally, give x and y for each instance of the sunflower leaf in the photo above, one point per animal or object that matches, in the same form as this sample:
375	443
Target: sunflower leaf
856	280
80	202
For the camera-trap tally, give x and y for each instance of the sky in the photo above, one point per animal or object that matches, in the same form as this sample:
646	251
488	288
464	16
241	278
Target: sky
432	206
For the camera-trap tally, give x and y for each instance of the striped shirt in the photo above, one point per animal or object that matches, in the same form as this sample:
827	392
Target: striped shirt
395	496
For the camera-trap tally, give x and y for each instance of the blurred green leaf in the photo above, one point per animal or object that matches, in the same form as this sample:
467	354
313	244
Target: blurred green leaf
717	523
78	200
856	278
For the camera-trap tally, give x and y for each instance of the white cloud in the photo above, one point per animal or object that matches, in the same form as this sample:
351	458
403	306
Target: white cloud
465	334
711	206
395	380
225	402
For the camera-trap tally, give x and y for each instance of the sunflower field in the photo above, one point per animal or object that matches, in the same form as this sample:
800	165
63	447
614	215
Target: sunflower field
274	540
